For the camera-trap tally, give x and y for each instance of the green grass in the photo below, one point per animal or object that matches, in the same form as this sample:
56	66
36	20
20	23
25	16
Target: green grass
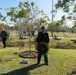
61	62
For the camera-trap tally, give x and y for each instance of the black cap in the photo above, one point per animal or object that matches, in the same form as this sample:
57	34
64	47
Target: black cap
42	27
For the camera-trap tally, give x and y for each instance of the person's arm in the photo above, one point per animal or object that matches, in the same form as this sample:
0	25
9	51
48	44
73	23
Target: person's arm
6	33
37	39
47	38
1	33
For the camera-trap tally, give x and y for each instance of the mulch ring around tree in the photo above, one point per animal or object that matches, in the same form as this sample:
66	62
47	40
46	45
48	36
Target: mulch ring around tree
28	54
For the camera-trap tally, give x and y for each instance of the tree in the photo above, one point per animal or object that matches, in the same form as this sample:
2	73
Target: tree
25	14
2	18
68	6
54	26
73	29
65	5
42	21
2	25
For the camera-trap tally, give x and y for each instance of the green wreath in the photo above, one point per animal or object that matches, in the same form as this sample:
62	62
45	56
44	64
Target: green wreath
43	48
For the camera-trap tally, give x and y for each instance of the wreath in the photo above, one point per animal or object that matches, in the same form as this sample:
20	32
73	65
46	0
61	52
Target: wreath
43	48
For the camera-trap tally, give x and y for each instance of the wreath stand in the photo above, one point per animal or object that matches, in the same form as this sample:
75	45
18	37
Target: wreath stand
29	54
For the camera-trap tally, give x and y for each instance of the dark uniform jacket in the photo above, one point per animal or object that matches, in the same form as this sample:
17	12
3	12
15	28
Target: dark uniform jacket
42	37
4	34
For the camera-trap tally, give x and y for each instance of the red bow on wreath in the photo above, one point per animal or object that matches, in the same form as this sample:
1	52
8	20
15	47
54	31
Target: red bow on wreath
43	46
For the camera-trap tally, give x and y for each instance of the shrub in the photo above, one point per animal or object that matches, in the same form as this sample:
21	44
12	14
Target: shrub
62	44
14	44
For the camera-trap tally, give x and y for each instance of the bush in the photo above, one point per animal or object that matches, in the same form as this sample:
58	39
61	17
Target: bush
14	44
43	48
74	41
62	44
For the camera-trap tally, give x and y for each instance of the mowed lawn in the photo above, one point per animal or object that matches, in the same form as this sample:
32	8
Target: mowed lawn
61	62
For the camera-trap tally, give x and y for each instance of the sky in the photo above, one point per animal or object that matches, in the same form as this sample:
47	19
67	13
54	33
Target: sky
45	5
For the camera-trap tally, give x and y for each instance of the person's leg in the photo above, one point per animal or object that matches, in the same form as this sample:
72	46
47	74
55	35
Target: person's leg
4	42
39	58
46	58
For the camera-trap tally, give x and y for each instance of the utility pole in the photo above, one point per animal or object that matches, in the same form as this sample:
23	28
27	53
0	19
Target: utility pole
52	9
52	16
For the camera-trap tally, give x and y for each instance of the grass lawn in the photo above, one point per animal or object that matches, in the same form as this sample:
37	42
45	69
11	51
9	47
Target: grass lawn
61	62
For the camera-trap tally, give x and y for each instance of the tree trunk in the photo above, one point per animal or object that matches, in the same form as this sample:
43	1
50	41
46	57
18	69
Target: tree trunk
29	41
52	34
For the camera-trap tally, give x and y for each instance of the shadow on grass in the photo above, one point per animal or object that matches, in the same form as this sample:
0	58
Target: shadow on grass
23	71
72	73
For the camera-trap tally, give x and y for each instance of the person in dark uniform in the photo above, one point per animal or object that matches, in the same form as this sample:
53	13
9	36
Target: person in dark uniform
4	37
33	35
42	37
